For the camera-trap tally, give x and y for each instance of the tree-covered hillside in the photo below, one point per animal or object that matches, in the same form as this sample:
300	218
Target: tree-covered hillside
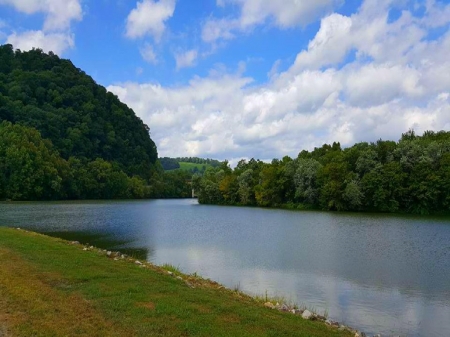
62	136
412	175
66	106
190	164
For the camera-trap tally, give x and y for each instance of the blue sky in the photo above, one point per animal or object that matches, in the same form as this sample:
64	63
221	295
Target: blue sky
254	78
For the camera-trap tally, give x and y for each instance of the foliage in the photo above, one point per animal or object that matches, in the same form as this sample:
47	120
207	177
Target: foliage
411	175
66	106
196	160
169	163
62	136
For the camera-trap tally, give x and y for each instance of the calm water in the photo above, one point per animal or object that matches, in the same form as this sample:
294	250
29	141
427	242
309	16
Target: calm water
377	273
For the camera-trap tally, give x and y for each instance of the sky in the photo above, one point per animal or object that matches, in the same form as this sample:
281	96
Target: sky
233	79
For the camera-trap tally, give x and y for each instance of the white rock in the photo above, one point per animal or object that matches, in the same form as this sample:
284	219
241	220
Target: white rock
293	311
85	249
108	253
307	314
169	272
138	262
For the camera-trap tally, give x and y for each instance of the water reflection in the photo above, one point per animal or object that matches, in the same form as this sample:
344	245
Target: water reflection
381	274
103	241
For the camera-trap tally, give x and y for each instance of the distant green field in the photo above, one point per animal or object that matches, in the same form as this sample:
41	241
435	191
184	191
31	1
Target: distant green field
190	166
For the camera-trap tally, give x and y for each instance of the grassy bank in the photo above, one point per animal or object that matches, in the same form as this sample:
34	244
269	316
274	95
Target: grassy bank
50	287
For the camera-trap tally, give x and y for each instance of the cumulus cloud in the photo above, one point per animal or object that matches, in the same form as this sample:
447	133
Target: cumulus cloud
148	18
186	59
55	35
55	42
361	77
59	14
283	14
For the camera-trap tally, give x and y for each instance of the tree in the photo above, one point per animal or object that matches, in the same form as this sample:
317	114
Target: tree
30	168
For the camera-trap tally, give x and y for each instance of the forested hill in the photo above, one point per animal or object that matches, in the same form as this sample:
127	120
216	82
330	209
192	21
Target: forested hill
191	164
411	175
66	106
62	136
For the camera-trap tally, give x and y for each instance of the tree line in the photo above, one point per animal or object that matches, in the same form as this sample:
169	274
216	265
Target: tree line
411	175
196	160
32	169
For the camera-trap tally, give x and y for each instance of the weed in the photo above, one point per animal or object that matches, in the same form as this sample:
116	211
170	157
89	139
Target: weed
171	267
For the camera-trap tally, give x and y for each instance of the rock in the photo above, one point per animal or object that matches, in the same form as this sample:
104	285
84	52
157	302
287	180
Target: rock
341	327
123	256
108	253
284	307
322	318
298	311
169	272
328	322
75	243
269	305
292	311
85	249
179	278
116	259
357	334
307	314
138	262
91	247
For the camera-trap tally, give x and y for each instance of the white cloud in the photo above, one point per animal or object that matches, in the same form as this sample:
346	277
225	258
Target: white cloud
283	14
148	54
55	42
59	14
148	18
362	77
186	59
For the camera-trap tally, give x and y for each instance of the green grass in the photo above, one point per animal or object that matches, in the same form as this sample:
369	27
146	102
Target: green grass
50	287
190	166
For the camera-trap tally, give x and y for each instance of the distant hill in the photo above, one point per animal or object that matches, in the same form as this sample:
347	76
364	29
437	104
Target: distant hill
81	118
191	164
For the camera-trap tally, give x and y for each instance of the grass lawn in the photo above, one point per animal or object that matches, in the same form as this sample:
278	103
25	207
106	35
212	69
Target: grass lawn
50	287
190	166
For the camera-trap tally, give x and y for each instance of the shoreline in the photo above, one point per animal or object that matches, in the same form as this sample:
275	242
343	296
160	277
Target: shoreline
192	283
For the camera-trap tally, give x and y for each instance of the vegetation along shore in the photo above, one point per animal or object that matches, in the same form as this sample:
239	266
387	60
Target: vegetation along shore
52	287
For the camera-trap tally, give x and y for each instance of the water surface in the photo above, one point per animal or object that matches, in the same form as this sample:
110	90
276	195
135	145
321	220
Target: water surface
377	273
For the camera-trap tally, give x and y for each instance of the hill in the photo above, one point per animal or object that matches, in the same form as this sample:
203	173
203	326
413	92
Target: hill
81	118
190	164
63	136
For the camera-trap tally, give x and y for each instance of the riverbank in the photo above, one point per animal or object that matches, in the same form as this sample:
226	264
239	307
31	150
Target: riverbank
52	287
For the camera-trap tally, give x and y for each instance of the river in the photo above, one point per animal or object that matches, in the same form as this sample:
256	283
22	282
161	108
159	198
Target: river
385	274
